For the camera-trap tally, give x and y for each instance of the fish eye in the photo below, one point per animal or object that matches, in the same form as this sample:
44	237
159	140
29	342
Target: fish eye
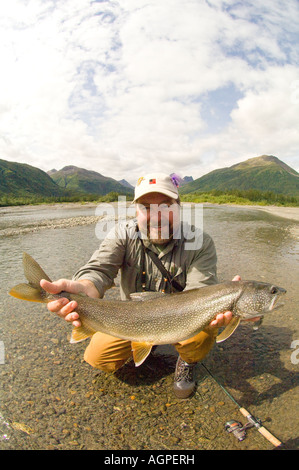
274	290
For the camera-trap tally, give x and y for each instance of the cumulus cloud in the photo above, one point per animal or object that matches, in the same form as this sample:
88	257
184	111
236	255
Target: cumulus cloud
124	86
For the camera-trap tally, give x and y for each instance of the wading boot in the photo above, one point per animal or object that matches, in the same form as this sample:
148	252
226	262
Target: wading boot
184	383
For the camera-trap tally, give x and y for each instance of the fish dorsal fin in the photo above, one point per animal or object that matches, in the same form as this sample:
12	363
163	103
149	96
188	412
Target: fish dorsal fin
228	331
33	272
80	333
140	351
142	296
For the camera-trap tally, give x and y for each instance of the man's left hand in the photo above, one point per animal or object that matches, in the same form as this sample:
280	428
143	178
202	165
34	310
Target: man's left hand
223	319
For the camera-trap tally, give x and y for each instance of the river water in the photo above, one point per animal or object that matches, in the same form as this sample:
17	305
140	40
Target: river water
51	399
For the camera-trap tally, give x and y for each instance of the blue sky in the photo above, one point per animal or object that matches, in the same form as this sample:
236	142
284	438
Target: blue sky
125	87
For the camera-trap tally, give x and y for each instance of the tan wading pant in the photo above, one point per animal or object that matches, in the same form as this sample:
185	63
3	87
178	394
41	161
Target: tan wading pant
108	353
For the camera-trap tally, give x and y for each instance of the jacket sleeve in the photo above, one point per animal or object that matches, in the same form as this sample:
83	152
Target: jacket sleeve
203	268
103	266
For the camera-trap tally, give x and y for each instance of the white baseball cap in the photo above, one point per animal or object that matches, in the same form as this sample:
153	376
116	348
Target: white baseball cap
156	183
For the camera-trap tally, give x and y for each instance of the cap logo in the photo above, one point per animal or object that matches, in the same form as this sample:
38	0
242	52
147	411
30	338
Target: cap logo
176	179
139	180
152	181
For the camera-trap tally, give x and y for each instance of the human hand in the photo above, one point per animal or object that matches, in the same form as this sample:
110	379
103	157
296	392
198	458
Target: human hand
63	307
223	319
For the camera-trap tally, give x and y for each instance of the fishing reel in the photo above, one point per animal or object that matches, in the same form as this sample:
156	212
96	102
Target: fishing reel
238	430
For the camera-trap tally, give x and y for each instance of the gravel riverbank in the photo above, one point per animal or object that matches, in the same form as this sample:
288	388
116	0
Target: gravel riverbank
50	224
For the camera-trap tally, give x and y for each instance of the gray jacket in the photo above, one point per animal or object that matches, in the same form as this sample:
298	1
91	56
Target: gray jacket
122	250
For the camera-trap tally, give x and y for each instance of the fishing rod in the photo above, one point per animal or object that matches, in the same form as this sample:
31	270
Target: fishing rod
236	427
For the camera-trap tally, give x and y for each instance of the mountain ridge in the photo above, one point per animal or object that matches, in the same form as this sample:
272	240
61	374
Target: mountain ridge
23	180
263	173
80	180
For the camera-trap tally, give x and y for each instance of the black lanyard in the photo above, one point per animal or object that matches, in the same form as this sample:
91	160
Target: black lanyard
160	266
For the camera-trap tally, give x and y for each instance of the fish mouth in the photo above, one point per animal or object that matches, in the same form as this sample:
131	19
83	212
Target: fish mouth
276	303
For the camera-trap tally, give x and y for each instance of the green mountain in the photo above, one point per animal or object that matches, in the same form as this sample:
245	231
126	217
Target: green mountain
264	173
125	183
81	181
19	180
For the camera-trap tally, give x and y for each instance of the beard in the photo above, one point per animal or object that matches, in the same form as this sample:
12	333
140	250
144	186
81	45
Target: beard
160	230
159	235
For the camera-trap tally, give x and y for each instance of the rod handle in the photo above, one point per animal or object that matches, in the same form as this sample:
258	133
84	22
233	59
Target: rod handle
269	436
244	412
263	430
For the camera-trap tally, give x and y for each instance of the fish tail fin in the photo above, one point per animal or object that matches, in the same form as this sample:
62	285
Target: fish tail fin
31	291
27	292
33	272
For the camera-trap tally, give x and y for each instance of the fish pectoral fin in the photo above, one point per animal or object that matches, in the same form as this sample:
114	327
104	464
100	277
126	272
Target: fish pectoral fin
140	352
228	331
80	333
257	323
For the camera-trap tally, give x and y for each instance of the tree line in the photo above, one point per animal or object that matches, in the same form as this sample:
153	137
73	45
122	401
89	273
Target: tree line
232	196
237	196
9	200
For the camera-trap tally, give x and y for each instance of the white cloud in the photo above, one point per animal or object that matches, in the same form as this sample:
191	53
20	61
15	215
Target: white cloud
123	86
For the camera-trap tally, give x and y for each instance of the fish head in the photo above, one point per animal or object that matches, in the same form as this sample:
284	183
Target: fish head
258	298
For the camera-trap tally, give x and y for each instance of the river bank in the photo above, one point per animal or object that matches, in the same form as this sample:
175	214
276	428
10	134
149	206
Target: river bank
279	211
291	213
285	212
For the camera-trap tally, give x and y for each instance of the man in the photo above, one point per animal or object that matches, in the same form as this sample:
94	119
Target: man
156	232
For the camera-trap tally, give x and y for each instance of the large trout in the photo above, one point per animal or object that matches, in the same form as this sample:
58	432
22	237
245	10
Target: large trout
155	318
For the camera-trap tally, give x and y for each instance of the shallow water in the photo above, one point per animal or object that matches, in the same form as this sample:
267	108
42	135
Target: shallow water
50	398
